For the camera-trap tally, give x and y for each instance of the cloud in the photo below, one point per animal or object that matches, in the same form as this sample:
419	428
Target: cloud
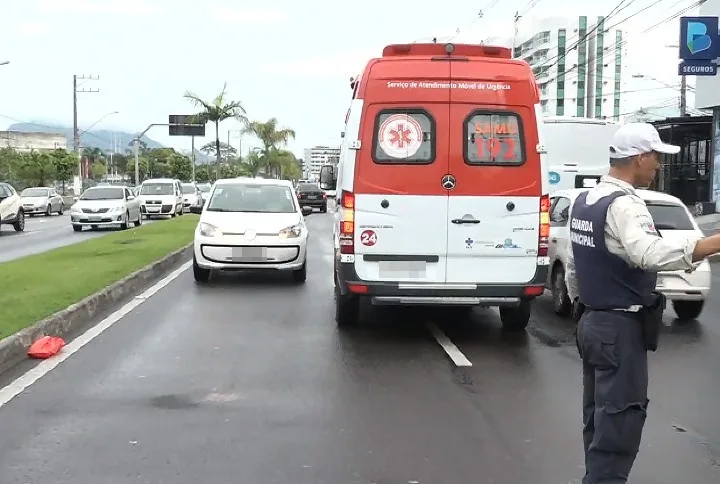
32	28
127	7
240	15
343	66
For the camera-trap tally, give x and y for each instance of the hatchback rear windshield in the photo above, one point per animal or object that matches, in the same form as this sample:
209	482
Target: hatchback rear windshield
494	138
188	189
157	189
670	215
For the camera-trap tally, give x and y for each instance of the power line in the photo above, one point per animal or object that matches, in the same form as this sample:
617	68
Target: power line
617	45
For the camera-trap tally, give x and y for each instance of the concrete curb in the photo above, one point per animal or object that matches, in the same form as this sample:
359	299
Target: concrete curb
69	321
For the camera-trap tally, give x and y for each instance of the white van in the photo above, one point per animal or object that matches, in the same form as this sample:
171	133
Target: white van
442	184
577	150
161	196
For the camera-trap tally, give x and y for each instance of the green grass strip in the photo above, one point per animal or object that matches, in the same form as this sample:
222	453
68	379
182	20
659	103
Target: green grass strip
37	286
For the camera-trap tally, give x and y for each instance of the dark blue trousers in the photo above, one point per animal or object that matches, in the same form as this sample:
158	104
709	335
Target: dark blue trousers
615	382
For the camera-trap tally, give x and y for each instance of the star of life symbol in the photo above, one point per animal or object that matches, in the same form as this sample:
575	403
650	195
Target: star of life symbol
400	136
469	243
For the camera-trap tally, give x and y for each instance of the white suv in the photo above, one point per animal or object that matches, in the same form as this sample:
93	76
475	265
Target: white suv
161	196
11	211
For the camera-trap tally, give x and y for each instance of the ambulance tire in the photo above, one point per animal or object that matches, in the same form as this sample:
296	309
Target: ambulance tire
515	319
347	309
688	310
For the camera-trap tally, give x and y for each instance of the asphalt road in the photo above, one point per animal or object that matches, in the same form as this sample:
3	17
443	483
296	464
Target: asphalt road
248	380
41	234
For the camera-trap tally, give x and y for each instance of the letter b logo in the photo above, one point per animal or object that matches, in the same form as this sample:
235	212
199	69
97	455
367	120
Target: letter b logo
698	39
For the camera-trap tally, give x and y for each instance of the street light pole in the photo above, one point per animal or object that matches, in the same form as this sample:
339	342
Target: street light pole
136	145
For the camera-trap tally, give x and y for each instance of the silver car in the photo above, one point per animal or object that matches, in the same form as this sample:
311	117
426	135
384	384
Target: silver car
41	200
106	206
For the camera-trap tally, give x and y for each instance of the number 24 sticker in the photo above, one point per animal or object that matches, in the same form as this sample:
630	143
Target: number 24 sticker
368	237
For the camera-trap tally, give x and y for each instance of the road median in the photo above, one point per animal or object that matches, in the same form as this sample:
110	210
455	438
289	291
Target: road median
61	291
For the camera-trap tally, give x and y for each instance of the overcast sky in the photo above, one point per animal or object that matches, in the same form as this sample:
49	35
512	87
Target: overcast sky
287	59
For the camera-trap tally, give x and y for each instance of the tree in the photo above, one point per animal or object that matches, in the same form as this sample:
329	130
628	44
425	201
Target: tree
36	168
202	174
251	165
98	169
180	167
216	111
143	171
65	166
226	151
272	138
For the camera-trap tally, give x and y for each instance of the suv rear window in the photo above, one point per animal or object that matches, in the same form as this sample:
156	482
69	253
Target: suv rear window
493	138
670	215
404	136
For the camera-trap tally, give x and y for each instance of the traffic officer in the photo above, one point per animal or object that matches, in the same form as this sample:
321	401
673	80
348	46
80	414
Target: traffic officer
614	255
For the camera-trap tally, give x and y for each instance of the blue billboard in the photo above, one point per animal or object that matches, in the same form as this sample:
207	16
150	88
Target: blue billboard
699	38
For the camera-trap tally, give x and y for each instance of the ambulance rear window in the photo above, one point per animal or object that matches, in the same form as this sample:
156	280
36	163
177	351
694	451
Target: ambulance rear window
404	136
494	138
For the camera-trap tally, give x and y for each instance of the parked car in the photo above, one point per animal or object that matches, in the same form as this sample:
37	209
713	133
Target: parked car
11	210
161	196
192	196
687	291
106	206
42	200
310	195
251	224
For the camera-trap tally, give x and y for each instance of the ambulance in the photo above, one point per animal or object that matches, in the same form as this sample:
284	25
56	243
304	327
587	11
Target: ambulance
577	150
442	184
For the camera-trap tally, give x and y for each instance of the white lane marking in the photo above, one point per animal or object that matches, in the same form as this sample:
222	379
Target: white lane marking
43	368
452	351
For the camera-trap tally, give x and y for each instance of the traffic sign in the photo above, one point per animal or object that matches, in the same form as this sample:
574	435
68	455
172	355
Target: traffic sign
183	125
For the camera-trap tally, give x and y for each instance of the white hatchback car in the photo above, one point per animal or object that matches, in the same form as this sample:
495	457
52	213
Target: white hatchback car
251	224
687	291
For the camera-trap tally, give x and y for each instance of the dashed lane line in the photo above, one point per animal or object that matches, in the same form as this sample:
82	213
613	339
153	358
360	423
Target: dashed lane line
452	351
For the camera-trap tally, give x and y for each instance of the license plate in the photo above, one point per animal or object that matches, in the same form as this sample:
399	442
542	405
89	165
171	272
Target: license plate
312	197
403	269
249	254
153	209
95	219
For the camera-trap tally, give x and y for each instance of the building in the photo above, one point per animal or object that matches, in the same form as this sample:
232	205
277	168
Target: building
316	157
21	141
577	62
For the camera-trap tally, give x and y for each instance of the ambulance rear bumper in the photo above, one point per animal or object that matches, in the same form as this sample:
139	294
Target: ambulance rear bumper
434	294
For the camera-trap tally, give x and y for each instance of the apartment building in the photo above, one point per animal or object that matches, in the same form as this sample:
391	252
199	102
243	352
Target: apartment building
577	62
316	157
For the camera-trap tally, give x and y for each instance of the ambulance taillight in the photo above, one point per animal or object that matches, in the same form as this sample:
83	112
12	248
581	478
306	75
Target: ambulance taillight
544	236
347	223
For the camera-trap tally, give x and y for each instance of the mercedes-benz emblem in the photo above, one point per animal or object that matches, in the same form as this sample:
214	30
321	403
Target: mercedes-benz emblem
448	182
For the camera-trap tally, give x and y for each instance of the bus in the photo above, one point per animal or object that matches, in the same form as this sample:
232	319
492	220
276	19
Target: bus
577	150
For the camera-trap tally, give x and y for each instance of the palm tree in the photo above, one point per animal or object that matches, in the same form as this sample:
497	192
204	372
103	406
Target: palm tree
271	137
216	111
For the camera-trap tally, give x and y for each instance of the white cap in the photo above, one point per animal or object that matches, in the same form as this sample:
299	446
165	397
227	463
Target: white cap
638	139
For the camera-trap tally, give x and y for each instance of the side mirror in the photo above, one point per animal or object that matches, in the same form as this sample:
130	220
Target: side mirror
307	211
131	198
75	199
196	209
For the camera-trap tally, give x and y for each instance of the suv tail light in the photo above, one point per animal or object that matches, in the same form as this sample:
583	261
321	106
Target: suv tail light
347	223
544	237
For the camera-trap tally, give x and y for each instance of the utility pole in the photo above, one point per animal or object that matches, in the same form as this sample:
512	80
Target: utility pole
516	20
76	133
192	156
683	95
